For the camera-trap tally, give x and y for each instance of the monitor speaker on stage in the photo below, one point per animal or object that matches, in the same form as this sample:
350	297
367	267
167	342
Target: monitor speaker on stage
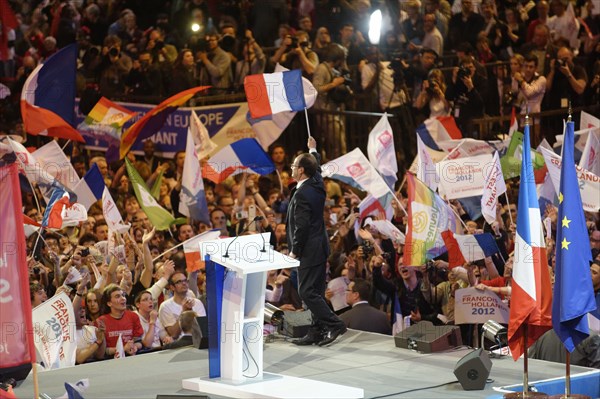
473	370
427	338
295	324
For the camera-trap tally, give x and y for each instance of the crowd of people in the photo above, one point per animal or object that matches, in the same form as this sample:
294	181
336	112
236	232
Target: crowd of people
510	54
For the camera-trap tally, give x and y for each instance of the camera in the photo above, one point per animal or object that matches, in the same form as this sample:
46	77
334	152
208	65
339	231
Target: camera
159	45
509	98
113	52
36	270
561	63
397	65
294	43
85	252
432	85
241	215
341	93
367	249
463	72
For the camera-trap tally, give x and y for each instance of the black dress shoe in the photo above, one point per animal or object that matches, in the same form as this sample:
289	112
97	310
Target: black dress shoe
332	334
308	339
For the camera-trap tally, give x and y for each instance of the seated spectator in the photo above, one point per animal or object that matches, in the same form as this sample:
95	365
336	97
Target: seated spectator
118	321
181	301
154	332
363	316
186	322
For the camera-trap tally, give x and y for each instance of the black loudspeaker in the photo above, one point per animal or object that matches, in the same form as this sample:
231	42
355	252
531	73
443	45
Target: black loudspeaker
473	370
14	375
427	338
295	324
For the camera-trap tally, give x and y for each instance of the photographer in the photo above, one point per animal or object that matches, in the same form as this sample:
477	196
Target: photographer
433	95
295	53
253	62
327	81
467	102
532	86
215	65
144	78
113	69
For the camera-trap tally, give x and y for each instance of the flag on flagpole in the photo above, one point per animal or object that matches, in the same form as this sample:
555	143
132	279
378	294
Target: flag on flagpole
441	128
55	211
514	122
494	187
381	151
356	170
54	161
271	93
425	170
15	306
244	155
105	122
155	119
428	217
90	188
191	249
192	199
371	206
159	216
531	296
573	290
203	144
590	157
463	248
111	213
48	96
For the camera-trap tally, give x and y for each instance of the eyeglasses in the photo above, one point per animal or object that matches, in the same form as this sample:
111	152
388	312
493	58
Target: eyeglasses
294	166
183	281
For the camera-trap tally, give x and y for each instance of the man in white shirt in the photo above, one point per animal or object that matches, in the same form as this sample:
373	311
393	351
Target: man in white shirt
181	301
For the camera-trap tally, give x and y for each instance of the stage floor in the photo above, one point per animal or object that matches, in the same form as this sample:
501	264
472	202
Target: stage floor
358	359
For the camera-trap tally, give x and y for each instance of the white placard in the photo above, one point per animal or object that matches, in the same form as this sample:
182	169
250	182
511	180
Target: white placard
464	177
338	286
472	306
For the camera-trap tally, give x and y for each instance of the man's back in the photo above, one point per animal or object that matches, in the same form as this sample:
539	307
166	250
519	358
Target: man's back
364	317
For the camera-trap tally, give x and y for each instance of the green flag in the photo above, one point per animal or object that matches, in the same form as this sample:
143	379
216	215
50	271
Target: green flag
155	190
159	217
511	161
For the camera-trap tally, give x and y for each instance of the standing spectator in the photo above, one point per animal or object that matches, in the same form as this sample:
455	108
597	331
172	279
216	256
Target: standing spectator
363	316
352	44
266	16
433	38
465	96
542	10
305	24
184	73
433	95
532	87
253	63
145	78
322	40
154	332
412	27
118	321
113	69
327	79
441	20
298	55
562	24
541	46
464	26
215	65
95	25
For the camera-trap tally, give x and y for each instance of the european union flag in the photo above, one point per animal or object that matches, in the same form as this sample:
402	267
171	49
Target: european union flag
573	290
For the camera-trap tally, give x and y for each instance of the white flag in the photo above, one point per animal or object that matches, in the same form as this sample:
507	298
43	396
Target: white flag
119	349
381	151
55	163
493	187
192	199
111	213
73	214
590	158
426	171
203	144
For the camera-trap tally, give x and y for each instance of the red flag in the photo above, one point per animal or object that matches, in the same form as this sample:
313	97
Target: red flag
15	304
8	21
155	119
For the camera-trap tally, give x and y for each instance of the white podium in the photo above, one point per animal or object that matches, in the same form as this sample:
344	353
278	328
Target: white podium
240	343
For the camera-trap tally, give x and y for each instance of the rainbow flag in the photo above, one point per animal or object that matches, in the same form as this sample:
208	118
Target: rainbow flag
428	217
155	119
104	122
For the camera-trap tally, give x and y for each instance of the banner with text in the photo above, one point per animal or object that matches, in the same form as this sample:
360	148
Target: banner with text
225	123
54	332
472	306
464	177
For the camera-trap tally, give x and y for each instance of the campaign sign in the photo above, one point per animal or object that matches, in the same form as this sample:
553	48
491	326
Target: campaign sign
472	306
464	177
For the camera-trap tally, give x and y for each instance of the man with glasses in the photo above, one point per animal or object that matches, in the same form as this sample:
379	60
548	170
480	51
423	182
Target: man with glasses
215	69
183	299
308	242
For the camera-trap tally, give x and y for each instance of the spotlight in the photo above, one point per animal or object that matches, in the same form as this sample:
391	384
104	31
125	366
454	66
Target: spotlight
495	332
375	27
273	315
195	27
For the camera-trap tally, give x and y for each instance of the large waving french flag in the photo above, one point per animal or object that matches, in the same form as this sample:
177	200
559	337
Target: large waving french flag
271	93
531	298
244	155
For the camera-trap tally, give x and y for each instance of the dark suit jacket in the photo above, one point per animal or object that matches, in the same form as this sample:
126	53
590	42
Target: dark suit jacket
364	317
185	340
305	226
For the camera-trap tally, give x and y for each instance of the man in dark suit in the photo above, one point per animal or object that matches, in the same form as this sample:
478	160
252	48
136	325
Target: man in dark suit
363	316
308	242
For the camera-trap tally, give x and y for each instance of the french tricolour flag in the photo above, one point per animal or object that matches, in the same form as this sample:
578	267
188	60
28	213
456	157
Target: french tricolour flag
90	188
55	211
463	248
271	93
435	130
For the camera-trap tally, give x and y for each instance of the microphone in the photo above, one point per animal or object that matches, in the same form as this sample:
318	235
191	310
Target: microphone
257	218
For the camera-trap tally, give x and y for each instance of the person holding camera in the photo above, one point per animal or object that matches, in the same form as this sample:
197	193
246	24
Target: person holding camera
532	87
463	92
113	69
433	95
332	93
295	53
253	63
144	79
215	65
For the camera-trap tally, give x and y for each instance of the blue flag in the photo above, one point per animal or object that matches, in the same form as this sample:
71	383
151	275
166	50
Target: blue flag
573	290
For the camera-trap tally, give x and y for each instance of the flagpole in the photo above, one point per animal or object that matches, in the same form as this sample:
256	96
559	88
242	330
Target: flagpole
456	214
36	388
508	203
66	144
167	251
568	374
307	125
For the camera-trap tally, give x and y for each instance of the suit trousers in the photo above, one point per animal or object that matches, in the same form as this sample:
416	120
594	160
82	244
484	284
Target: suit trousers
311	281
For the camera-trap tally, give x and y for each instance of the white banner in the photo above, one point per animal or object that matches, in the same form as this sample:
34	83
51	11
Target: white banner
54	332
589	183
111	213
464	177
476	307
465	148
55	163
494	187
